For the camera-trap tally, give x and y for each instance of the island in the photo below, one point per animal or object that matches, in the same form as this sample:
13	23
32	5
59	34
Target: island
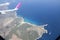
13	27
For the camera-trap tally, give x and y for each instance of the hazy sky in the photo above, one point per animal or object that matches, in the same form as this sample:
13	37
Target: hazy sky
29	1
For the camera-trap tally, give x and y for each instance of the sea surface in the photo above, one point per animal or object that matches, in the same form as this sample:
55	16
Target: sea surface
41	12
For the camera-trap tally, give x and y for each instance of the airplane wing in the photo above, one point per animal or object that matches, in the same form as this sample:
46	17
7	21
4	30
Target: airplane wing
11	10
18	6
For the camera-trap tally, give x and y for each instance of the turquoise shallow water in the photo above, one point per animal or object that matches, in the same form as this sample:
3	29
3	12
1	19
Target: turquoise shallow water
41	12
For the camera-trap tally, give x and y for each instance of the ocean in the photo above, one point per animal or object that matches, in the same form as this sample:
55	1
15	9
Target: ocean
41	12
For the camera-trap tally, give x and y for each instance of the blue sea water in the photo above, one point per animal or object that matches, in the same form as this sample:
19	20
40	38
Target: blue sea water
41	12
